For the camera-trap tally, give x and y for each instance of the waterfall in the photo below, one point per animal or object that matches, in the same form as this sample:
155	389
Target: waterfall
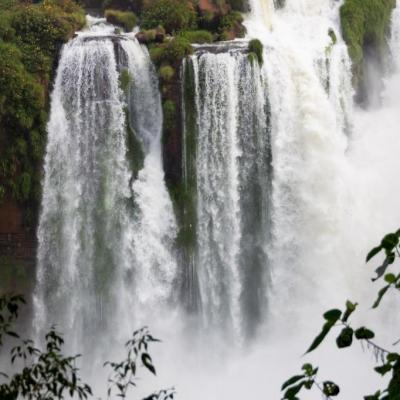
292	125
283	197
107	227
232	169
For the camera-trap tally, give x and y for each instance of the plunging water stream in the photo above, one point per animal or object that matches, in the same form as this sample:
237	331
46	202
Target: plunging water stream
106	232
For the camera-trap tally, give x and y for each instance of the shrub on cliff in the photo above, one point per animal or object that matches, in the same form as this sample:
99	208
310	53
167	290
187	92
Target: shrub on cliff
173	15
171	52
200	37
47	25
231	27
21	96
31	36
124	19
22	101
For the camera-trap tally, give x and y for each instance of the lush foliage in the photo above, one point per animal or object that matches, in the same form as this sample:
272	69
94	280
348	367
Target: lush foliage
388	360
230	26
49	375
171	51
200	36
365	24
173	15
30	39
124	19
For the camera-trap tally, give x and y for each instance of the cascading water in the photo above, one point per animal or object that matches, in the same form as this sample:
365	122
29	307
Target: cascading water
107	226
232	169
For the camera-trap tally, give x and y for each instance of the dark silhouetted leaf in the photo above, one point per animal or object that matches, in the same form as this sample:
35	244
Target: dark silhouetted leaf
350	308
333	315
345	338
373	252
291	381
383	369
364	333
390	241
381	293
318	340
290	394
330	388
146	360
375	396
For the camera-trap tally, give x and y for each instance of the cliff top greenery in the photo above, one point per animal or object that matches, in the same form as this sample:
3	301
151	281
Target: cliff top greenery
30	38
365	26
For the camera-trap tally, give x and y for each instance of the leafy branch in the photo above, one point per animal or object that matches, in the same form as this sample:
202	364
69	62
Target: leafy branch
336	318
49	375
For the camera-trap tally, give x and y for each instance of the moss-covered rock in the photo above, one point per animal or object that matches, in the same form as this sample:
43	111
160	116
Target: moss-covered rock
124	19
125	80
365	25
256	51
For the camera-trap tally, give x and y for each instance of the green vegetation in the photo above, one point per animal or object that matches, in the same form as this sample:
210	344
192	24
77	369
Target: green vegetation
49	375
166	73
171	51
365	24
173	15
31	36
124	19
332	35
387	360
200	36
231	27
256	51
125	80
169	113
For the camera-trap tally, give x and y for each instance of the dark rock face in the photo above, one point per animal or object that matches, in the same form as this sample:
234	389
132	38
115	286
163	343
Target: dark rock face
172	137
17	251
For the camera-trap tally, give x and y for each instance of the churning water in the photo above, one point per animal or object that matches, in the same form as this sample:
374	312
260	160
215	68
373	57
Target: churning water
293	184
